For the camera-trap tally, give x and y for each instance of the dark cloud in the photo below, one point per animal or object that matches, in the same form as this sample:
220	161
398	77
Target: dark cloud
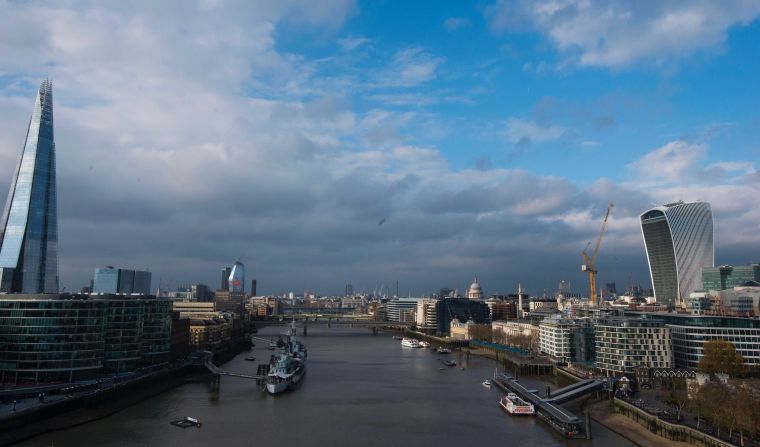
185	142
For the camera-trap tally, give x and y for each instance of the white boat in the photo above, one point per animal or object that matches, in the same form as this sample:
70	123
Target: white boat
487	383
444	350
514	405
424	344
410	343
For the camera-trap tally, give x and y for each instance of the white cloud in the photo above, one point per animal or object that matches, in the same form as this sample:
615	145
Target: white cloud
455	23
677	161
619	34
521	130
410	67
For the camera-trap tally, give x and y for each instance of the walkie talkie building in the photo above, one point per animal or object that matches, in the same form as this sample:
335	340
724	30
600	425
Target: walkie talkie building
678	238
29	225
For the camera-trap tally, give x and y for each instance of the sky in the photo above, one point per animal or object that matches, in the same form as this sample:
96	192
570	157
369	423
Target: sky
365	142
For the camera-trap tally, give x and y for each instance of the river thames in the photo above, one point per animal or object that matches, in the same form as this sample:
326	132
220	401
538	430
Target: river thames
360	390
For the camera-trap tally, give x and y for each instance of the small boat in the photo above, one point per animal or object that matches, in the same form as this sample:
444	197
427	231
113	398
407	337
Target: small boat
449	363
443	350
186	422
424	344
410	343
487	383
250	359
513	404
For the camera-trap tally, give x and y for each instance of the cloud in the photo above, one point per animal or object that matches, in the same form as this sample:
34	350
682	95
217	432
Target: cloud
677	161
186	137
455	23
410	67
618	34
520	130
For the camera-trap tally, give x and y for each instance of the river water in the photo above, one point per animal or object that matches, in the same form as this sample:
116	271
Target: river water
360	390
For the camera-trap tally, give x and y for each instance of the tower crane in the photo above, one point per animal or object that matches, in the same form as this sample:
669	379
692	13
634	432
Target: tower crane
589	262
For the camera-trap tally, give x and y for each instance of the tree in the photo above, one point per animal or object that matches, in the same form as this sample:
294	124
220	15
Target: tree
677	395
481	332
720	356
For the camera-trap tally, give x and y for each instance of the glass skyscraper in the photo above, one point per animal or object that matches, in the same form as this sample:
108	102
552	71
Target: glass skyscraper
237	278
29	223
678	238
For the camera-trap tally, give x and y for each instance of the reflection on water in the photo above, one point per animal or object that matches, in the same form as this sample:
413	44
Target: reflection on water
359	390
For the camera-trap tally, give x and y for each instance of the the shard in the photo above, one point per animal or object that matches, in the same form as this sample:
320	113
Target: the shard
29	225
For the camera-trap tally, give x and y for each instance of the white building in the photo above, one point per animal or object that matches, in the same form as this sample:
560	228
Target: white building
567	339
426	316
475	292
623	344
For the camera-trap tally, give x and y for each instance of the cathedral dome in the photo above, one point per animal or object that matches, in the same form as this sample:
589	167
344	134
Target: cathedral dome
475	292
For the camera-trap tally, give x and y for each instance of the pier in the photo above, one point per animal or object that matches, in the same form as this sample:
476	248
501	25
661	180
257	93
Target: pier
560	419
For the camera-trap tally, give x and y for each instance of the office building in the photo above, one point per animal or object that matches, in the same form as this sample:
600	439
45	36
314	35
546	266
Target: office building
729	276
229	301
52	338
402	310
237	278
425	317
29	223
463	309
111	281
623	344
690	332
225	280
253	287
678	239
567	339
502	310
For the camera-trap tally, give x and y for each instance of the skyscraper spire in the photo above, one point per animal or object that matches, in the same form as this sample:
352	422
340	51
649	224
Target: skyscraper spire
29	223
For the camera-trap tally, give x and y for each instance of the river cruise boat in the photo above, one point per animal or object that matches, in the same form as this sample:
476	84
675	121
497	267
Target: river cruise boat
514	405
410	343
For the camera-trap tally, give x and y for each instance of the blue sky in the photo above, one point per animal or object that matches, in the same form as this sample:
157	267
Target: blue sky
490	135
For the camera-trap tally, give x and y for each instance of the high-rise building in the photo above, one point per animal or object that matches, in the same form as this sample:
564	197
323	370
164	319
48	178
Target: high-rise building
29	223
225	281
729	276
253	287
237	278
111	280
678	238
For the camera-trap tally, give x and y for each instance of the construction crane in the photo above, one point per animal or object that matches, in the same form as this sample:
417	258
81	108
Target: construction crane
590	261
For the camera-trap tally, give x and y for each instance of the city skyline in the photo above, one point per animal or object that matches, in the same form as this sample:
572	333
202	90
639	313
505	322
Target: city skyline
337	148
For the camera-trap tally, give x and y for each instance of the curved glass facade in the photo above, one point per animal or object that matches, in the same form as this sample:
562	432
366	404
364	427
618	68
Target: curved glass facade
237	278
50	340
679	242
53	340
29	224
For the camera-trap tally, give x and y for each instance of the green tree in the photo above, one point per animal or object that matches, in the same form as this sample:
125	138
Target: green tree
720	356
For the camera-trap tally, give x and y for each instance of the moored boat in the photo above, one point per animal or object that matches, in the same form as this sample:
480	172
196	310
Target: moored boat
288	367
515	405
410	343
424	344
487	383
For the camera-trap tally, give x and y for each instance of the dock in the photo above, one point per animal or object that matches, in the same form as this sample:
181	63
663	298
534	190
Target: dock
562	420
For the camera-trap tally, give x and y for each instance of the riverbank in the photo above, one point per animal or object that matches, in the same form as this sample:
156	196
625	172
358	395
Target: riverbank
80	410
603	413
